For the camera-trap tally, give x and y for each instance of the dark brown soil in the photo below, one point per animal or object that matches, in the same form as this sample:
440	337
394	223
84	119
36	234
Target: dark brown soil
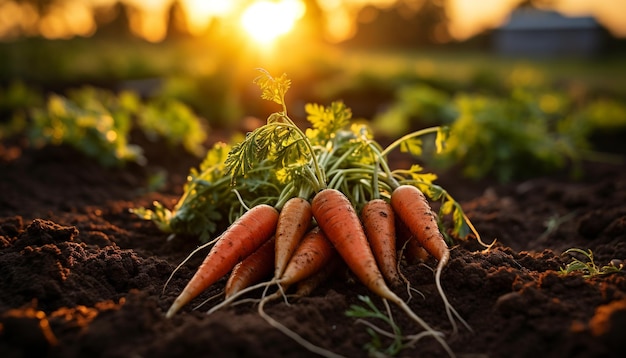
80	276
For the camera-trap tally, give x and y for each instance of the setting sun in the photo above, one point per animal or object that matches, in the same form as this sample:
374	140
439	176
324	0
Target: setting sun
265	21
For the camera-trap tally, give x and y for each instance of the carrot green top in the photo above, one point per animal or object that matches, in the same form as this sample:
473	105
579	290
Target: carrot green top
278	161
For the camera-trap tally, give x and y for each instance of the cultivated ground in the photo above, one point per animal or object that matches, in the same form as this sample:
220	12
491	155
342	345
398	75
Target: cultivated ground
81	276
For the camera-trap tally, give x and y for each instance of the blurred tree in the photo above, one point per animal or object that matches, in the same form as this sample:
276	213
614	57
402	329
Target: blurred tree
408	23
113	20
177	24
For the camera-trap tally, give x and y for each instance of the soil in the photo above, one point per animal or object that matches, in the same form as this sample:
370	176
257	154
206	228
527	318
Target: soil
81	276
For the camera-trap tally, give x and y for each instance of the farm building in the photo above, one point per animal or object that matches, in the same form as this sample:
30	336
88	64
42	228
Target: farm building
532	32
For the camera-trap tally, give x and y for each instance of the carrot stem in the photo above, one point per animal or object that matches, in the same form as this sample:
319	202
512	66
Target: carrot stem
406	137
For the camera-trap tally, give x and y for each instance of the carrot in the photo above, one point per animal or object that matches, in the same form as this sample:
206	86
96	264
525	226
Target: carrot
379	224
293	222
241	239
306	286
411	206
413	251
313	253
335	215
253	269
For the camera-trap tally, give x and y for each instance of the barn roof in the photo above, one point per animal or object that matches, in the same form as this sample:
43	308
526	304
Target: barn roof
536	19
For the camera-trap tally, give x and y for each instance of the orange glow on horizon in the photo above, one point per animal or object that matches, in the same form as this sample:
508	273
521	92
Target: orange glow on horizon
148	19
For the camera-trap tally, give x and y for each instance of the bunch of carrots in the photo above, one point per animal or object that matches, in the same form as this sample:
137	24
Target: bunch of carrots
338	201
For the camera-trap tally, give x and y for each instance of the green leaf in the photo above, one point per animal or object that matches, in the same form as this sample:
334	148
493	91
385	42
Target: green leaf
277	142
589	268
447	207
375	346
442	135
460	228
90	120
216	156
273	89
326	121
412	146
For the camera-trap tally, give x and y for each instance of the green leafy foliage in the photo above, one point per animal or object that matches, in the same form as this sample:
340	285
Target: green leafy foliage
175	122
509	138
587	265
160	215
15	100
98	123
273	89
376	346
278	142
17	95
86	124
326	121
209	204
523	132
419	103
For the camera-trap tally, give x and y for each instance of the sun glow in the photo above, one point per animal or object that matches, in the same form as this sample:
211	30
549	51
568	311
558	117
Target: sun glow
199	12
265	21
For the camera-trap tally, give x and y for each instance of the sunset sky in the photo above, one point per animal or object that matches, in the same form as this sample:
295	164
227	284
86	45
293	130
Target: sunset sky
467	17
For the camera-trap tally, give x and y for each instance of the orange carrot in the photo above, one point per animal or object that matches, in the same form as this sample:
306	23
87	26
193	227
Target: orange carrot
313	253
241	239
411	206
413	251
253	269
293	222
379	224
306	286
335	215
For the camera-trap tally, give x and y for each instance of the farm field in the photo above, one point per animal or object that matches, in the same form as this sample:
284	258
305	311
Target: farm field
81	274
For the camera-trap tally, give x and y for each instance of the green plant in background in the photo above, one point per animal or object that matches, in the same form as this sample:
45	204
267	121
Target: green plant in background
15	100
13	126
98	123
173	121
554	222
19	96
601	115
531	132
527	131
588	267
506	137
416	103
84	122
